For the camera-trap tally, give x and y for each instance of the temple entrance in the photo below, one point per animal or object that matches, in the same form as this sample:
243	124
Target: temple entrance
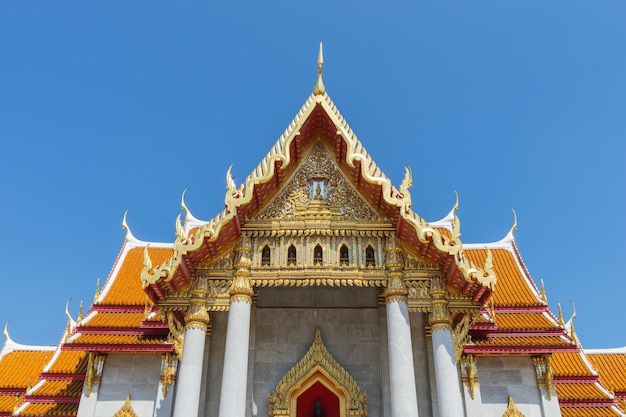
317	386
318	401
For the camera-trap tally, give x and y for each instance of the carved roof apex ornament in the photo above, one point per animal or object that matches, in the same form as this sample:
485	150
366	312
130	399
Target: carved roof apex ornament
514	227
129	235
319	88
190	220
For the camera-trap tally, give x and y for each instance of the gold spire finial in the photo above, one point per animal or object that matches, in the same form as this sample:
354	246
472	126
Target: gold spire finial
319	88
543	292
97	293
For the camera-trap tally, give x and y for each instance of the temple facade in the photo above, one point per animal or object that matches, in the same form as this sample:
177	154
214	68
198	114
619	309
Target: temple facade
318	291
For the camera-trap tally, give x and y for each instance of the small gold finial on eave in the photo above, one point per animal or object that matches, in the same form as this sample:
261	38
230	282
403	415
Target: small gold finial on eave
543	292
319	88
561	322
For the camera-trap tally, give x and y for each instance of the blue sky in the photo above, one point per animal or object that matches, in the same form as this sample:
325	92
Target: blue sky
108	106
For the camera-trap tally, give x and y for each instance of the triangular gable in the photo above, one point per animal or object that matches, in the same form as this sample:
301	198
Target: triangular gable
318	120
318	187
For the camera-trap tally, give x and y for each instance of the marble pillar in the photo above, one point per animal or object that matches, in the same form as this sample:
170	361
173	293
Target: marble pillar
449	392
189	380
401	369
235	375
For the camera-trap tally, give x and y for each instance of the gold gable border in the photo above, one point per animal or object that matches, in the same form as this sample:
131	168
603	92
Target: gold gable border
355	154
317	359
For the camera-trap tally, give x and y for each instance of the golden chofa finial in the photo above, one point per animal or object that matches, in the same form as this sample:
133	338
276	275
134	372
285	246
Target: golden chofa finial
319	88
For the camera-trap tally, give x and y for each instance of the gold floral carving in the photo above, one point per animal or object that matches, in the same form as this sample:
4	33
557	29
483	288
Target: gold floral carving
317	361
394	263
169	366
469	373
512	410
543	368
460	336
240	288
126	410
95	366
177	335
318	183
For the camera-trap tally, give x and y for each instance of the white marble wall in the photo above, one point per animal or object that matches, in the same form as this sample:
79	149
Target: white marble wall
503	376
134	375
286	320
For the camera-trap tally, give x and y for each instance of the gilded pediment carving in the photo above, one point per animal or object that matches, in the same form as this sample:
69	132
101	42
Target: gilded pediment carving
126	410
318	361
318	189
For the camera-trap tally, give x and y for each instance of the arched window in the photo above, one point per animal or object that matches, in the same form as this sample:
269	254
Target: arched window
266	256
317	255
291	256
344	256
370	256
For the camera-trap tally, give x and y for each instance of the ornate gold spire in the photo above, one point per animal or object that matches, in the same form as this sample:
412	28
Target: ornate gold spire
319	88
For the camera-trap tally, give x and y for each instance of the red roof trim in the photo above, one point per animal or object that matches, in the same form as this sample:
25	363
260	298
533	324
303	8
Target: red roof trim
109	308
12	391
518	350
518	333
569	379
587	403
125	331
521	309
56	376
131	348
51	399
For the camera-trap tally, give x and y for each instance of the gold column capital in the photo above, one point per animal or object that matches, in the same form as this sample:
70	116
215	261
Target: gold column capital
394	263
240	288
440	316
197	316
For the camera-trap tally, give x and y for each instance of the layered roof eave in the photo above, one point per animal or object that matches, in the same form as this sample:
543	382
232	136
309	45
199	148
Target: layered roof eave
355	157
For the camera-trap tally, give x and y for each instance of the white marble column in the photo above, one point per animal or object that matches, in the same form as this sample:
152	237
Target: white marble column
189	380
235	374
449	392
401	367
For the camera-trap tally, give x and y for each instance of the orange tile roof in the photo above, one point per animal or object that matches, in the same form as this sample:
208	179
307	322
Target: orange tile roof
28	362
521	341
512	288
126	288
612	369
70	361
511	321
444	232
569	364
110	339
37	409
115	320
60	388
589	391
8	403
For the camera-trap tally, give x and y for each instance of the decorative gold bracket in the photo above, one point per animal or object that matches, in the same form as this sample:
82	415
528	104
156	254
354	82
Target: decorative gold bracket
469	373
94	370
